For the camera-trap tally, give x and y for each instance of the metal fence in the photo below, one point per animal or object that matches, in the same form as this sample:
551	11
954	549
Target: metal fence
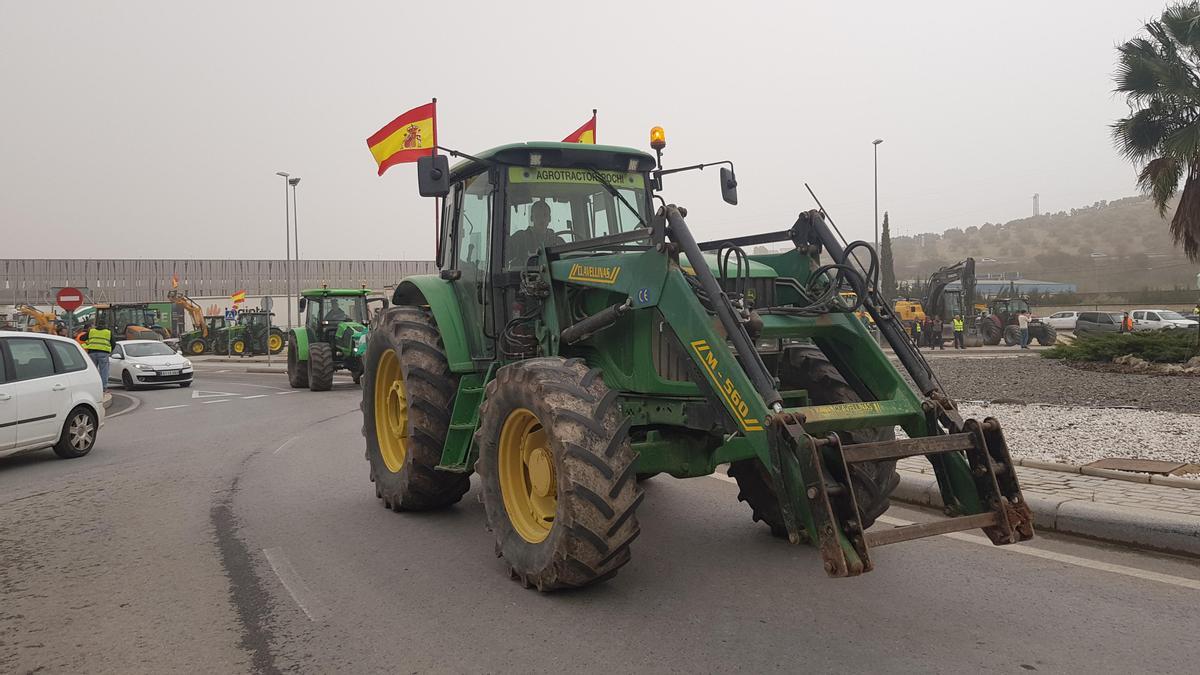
35	280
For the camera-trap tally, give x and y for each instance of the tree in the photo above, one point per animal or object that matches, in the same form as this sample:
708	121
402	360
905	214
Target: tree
887	266
1159	74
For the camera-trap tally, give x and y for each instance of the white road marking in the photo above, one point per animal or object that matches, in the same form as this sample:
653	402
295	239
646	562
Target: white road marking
294	391
168	407
1171	579
285	444
1135	572
255	396
222	371
212	394
295	586
220	400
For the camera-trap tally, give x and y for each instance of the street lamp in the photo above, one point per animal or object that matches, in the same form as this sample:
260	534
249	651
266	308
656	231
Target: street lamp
287	233
876	143
295	231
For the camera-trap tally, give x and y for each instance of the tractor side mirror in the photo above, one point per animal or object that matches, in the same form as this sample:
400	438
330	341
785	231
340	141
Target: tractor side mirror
301	304
728	186
433	176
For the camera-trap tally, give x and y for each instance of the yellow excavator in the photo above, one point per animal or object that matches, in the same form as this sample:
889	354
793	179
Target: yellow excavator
42	322
198	340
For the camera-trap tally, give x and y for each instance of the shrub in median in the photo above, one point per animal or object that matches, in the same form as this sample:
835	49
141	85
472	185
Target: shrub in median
1166	346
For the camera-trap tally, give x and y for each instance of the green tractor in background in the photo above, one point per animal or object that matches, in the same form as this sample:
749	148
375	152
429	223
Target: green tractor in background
333	337
251	334
579	339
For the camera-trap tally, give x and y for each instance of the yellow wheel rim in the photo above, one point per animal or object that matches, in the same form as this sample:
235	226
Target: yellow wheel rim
197	347
238	346
527	477
391	411
275	343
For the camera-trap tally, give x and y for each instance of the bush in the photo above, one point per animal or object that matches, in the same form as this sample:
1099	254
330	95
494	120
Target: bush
1167	346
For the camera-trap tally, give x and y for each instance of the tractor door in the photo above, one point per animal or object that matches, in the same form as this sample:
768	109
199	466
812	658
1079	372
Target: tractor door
472	204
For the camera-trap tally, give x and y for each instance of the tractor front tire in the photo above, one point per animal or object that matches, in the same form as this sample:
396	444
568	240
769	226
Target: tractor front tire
1048	335
808	368
407	394
557	471
320	366
297	370
1012	336
196	347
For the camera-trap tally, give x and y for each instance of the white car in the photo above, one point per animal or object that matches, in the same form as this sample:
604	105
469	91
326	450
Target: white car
50	395
1160	319
136	363
1062	320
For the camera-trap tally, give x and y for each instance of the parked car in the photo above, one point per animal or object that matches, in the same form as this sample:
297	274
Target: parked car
137	363
1160	319
1093	323
1062	320
50	395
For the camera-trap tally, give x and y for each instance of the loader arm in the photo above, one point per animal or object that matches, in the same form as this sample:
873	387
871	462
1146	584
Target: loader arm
806	461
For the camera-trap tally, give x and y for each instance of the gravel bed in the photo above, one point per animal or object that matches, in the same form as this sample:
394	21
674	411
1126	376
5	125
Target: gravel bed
1033	379
1080	434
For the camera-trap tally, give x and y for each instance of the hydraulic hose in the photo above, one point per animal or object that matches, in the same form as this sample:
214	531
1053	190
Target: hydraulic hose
747	355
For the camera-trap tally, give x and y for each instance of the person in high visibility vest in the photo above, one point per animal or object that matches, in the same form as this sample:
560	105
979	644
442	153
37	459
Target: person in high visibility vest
959	327
99	347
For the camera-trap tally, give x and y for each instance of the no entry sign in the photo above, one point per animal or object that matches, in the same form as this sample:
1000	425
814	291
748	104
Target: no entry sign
70	299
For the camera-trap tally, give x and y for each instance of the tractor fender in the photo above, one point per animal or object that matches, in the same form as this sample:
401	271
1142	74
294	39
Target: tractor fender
301	335
438	295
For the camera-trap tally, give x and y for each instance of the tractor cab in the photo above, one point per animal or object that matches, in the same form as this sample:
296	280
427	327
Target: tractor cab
1009	307
324	312
131	321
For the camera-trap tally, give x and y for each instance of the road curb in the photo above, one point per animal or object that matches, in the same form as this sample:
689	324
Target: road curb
1153	479
133	405
1143	528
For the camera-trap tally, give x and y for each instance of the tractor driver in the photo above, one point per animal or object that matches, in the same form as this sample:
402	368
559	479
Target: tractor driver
335	313
525	243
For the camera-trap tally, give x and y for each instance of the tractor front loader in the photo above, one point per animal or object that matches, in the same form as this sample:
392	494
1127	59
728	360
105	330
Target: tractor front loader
578	339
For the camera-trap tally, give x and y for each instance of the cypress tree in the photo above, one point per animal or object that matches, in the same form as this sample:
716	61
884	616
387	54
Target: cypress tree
887	267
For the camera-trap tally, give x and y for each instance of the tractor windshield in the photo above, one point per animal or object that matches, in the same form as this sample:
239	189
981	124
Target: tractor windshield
336	310
549	206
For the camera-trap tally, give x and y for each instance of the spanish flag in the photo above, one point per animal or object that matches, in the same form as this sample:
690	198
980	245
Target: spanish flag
585	133
238	297
404	139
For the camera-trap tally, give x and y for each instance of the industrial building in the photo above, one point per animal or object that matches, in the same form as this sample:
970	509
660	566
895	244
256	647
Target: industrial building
1015	287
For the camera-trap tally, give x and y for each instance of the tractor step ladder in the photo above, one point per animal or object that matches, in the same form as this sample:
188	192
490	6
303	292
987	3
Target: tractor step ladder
1007	519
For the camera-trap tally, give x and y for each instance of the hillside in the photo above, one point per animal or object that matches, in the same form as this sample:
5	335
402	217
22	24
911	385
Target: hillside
1121	245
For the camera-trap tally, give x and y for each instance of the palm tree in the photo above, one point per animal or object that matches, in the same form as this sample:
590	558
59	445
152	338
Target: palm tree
1159	73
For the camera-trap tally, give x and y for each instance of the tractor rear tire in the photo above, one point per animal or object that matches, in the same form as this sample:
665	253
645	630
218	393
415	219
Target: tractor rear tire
297	370
275	341
320	366
1048	335
1012	336
808	368
990	330
557	471
407	394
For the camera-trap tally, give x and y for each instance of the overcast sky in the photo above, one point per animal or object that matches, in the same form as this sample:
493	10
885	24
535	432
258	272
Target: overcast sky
154	129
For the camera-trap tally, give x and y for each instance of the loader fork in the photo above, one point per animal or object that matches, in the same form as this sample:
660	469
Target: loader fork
821	503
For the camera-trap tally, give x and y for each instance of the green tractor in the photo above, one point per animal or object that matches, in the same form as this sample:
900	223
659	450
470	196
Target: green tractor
578	340
334	336
252	334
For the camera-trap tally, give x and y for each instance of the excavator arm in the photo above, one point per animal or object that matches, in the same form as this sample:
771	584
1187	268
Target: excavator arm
935	295
44	322
193	310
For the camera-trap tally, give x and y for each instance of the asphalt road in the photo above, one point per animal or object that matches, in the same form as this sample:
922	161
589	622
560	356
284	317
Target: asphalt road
231	527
